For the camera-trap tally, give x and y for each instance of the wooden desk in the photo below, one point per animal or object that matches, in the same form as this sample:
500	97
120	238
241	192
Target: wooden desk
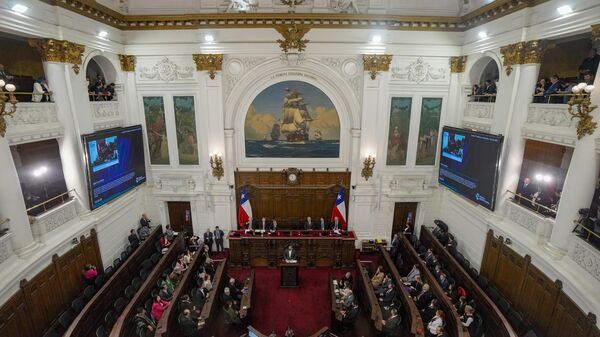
314	248
454	326
246	302
289	275
368	297
411	318
496	325
90	318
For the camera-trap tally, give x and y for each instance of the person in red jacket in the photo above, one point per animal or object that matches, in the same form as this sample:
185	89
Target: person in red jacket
158	308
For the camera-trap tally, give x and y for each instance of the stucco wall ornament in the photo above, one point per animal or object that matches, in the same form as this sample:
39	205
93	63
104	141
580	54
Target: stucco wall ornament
167	71
345	6
418	71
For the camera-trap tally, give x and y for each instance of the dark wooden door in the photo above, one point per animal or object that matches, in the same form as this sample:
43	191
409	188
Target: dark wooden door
180	216
404	212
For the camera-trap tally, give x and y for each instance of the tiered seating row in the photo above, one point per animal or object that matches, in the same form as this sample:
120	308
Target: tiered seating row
368	297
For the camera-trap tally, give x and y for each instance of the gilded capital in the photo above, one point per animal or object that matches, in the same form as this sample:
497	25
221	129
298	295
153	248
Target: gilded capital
458	64
63	51
209	62
512	54
376	63
596	32
535	50
127	62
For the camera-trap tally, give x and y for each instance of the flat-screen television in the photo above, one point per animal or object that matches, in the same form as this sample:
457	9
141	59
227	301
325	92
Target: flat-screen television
115	163
469	163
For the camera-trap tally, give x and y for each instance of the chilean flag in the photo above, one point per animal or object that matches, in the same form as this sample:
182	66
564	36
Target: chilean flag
339	209
245	211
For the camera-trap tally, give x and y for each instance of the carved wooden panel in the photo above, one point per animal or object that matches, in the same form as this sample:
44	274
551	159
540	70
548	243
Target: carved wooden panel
44	298
510	272
490	256
14	318
272	197
568	320
538	298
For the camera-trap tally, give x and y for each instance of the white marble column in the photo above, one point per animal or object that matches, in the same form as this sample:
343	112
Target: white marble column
524	78
61	78
456	101
12	205
579	186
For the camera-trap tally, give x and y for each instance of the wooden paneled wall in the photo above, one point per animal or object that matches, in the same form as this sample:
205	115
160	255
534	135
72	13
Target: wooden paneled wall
39	301
272	197
539	298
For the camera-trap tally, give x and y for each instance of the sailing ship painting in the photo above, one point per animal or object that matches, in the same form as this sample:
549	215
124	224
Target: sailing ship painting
292	119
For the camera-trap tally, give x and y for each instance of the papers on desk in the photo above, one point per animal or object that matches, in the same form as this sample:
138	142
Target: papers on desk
291	261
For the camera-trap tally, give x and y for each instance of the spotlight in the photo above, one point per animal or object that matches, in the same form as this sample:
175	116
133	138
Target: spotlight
209	38
547	178
40	171
539	177
482	35
564	10
103	33
376	39
19	8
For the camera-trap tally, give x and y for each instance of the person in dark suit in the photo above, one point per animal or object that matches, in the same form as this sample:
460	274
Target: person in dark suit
388	297
263	226
349	316
554	88
590	63
347	279
395	245
428	313
424	298
144	323
208	239
145	220
218	235
187	325
198	296
234	290
390	325
336	224
134	241
308	224
322	225
289	254
526	190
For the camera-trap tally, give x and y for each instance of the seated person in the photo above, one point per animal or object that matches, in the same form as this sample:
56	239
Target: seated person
144	324
347	299
468	320
441	332
378	277
414	272
390	325
186	304
388	297
461	305
158	307
436	322
428	313
350	315
347	278
89	274
134	241
194	243
180	267
231	315
198	295
452	293
187	324
423	299
165	294
236	293
226	296
168	282
387	280
444	283
207	282
164	242
170	233
416	286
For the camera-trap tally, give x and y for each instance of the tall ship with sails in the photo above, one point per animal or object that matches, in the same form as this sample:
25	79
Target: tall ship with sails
295	119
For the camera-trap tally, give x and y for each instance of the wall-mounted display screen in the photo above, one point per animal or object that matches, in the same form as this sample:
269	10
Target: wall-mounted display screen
115	163
469	164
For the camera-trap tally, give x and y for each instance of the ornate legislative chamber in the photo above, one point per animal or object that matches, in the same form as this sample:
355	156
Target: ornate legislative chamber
314	248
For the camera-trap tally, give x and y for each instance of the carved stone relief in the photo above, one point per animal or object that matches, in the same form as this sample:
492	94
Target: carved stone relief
587	258
419	71
480	110
235	68
166	70
350	69
51	220
549	114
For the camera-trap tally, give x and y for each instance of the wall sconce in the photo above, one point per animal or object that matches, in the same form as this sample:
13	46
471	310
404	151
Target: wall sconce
368	165
216	162
10	88
581	98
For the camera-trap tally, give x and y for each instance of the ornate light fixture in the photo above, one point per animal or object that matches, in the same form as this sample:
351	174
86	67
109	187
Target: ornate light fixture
292	4
376	63
10	88
209	62
368	165
216	163
581	99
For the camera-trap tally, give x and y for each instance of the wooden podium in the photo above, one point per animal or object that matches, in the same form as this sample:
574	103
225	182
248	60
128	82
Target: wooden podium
289	274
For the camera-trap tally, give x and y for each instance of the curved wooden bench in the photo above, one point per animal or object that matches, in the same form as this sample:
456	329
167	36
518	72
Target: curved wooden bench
454	326
495	324
411	317
209	310
90	318
168	324
125	327
369	299
246	301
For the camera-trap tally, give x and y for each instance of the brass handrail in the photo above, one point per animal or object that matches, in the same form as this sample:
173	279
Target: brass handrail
549	96
533	202
49	200
589	231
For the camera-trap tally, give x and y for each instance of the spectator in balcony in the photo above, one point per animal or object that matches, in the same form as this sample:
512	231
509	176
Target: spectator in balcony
540	87
475	91
590	63
4	75
490	90
109	92
553	89
588	78
41	91
526	190
567	90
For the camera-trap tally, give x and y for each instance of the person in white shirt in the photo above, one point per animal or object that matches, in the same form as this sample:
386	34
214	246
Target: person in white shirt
436	322
40	87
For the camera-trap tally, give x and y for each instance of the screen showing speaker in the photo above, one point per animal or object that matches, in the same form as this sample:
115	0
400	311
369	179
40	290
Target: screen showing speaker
115	163
469	164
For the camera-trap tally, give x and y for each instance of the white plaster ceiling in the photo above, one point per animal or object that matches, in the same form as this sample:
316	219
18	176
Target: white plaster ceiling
395	7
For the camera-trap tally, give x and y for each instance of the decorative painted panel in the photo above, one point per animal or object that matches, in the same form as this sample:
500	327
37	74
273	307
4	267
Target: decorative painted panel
185	124
398	130
156	129
431	110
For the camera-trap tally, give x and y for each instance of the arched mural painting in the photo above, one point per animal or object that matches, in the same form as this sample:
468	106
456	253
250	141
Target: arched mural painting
292	119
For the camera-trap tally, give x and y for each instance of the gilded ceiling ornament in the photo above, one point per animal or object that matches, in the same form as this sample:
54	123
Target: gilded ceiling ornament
512	54
376	63
63	51
457	64
209	62
535	50
292	38
596	32
127	62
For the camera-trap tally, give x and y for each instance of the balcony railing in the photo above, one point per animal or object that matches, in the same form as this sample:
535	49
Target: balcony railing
106	114
479	115
33	121
482	98
540	225
533	205
560	98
